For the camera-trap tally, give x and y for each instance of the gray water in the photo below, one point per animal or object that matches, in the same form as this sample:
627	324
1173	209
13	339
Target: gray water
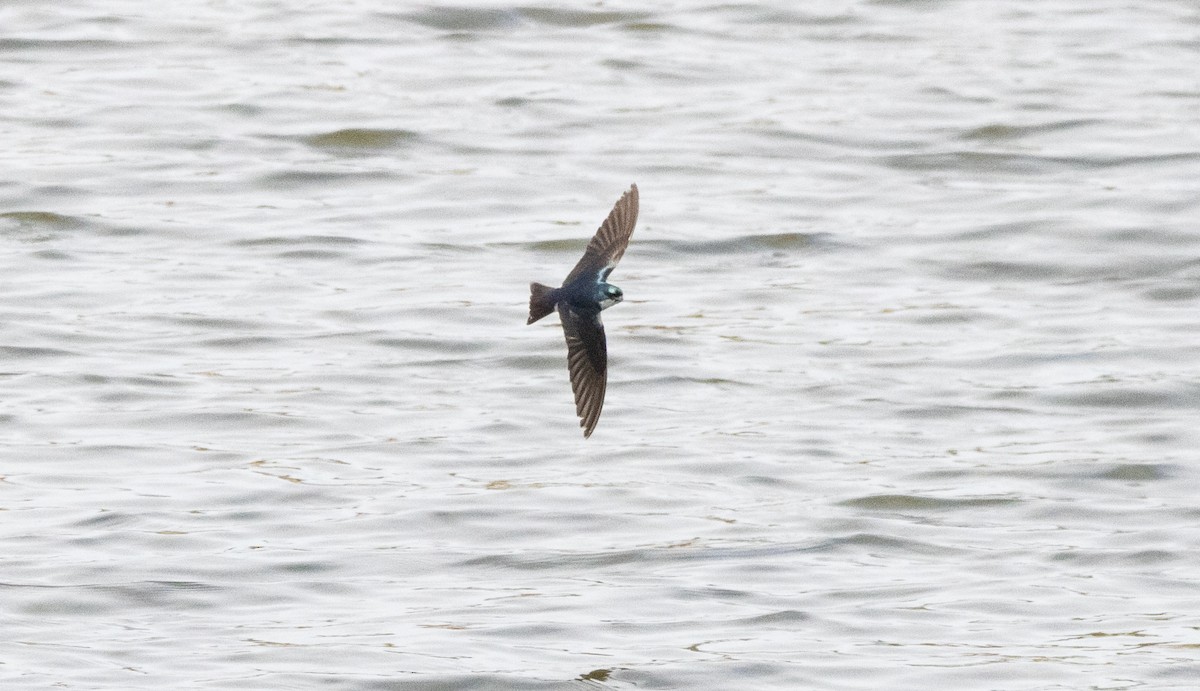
904	393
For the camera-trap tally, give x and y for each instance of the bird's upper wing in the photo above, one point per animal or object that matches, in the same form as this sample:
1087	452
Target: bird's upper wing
587	359
609	242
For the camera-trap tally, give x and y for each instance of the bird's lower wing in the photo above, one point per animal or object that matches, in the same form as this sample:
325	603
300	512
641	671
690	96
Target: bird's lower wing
587	360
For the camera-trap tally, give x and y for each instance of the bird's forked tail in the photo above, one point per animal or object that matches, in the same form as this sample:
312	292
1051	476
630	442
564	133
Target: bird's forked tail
540	302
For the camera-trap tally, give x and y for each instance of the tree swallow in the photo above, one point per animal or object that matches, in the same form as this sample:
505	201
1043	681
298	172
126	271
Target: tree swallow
583	294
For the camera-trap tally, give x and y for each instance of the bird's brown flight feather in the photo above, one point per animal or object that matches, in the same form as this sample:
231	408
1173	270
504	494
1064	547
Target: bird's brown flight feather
587	360
609	243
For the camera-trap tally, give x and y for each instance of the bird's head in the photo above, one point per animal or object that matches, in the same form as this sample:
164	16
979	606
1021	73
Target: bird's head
608	295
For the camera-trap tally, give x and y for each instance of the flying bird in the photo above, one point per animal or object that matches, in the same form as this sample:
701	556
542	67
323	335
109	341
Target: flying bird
579	301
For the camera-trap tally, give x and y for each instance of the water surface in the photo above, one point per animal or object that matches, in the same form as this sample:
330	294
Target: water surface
904	393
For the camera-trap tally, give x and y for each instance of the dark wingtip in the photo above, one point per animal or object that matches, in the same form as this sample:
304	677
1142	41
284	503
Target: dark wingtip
589	426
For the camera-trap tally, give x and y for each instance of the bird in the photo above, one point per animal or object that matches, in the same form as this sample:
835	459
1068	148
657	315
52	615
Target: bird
583	295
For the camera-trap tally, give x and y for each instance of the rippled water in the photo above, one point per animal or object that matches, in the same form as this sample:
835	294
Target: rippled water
904	393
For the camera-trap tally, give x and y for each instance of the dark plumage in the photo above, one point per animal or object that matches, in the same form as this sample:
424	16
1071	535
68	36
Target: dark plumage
579	301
